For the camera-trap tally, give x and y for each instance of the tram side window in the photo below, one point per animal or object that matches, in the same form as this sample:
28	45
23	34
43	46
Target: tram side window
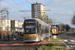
27	30
38	28
45	29
39	25
42	29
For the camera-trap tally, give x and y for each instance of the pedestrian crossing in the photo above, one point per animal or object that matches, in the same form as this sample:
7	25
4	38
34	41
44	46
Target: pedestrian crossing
69	40
70	43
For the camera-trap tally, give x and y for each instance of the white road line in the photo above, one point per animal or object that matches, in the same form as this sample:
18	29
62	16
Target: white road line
65	40
72	40
70	47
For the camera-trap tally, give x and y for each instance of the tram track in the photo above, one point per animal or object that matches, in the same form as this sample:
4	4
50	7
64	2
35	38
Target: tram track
26	47
32	46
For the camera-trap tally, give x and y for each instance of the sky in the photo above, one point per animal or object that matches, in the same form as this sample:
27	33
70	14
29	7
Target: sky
61	11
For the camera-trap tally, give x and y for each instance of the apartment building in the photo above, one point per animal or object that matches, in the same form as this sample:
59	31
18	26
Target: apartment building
39	11
10	26
5	26
16	26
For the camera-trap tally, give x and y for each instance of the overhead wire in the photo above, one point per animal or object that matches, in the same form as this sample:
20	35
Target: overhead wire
28	1
32	1
16	4
9	4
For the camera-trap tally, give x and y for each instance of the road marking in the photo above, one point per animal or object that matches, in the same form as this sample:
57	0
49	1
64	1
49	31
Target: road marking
70	46
65	40
72	40
71	43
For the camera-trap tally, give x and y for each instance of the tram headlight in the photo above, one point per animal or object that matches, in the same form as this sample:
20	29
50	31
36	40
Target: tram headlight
36	38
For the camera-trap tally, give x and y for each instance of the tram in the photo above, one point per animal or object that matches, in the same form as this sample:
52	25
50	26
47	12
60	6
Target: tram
35	30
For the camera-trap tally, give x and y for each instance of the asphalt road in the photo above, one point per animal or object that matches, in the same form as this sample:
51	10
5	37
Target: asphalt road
69	40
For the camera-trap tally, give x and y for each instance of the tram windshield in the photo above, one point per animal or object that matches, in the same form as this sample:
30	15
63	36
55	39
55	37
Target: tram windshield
30	29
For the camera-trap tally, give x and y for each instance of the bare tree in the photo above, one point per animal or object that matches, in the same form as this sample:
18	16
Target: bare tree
50	21
73	20
60	26
3	10
2	13
0	28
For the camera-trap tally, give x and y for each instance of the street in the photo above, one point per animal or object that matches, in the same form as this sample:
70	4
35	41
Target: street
20	45
69	40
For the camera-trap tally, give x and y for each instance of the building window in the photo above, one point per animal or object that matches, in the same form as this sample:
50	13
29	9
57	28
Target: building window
2	21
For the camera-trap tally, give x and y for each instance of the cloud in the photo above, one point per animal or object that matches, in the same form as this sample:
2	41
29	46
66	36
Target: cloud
62	10
19	16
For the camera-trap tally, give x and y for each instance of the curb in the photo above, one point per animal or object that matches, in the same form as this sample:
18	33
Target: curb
66	46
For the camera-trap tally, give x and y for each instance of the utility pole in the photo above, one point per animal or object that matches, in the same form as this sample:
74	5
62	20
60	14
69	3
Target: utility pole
1	25
47	19
7	24
49	31
7	21
54	21
24	18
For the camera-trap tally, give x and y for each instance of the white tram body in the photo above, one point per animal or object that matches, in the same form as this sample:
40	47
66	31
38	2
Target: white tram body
35	30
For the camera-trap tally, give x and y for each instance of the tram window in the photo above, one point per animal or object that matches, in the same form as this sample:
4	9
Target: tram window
38	28
39	25
33	30
27	30
30	29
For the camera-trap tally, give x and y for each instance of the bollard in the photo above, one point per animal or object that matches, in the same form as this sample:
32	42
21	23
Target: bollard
55	36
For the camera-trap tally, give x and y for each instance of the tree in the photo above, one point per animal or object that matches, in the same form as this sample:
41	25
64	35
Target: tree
3	10
50	21
3	13
67	27
0	29
61	26
73	20
64	28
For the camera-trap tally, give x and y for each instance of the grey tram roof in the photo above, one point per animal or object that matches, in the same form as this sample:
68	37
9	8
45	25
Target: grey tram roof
39	21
